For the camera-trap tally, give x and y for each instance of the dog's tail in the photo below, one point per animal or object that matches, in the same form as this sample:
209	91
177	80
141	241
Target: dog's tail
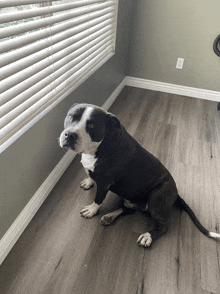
182	204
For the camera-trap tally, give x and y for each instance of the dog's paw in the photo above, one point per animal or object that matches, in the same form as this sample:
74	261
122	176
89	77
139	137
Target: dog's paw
145	240
129	204
107	220
87	184
90	210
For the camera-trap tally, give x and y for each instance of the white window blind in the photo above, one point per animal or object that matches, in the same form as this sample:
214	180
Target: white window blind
47	49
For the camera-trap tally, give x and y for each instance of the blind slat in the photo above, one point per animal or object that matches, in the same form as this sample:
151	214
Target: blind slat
14	66
70	67
34	12
41	44
49	21
51	91
30	86
11	3
20	76
42	23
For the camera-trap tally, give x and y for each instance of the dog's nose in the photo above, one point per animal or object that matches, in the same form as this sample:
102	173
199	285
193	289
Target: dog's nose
70	135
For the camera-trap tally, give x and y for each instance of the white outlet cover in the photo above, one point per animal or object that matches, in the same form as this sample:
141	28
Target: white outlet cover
179	63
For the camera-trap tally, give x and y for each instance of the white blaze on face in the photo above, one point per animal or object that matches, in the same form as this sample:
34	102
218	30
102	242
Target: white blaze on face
80	129
84	143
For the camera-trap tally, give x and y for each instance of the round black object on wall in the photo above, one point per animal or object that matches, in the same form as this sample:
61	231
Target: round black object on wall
216	46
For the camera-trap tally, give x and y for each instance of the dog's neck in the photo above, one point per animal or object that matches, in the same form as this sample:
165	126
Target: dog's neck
92	149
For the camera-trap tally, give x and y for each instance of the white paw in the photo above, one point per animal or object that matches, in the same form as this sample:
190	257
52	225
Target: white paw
87	184
90	210
145	240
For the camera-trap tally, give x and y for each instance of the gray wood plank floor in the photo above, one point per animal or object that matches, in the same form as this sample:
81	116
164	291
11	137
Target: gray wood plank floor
63	253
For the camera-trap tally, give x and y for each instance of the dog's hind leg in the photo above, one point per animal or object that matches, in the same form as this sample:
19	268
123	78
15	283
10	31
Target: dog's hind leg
160	205
147	238
109	218
160	216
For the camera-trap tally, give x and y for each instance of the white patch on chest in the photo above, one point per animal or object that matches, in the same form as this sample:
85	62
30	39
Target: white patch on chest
88	161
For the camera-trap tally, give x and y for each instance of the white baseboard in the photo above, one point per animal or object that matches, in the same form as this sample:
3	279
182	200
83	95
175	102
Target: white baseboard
24	218
173	89
108	103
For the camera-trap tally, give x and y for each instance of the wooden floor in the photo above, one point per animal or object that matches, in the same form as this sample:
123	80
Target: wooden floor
63	253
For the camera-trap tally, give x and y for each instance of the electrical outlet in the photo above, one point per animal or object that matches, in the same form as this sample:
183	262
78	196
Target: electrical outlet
179	63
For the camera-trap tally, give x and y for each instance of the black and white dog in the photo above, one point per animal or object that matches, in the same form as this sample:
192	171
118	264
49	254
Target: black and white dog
115	161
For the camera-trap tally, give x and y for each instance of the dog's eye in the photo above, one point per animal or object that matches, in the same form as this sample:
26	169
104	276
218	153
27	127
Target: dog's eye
91	125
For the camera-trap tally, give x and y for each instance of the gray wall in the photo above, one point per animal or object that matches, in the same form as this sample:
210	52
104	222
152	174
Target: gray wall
166	30
27	162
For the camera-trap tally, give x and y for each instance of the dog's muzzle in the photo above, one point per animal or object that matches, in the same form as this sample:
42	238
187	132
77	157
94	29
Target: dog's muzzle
68	139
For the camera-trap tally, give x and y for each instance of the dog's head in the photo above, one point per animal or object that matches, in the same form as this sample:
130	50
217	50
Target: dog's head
85	127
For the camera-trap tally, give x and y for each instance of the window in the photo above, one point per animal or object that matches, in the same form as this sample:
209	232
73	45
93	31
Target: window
47	49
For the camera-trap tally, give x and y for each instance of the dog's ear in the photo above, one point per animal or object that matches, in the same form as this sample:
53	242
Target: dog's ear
73	106
112	122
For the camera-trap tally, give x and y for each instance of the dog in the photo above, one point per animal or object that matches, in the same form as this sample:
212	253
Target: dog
115	161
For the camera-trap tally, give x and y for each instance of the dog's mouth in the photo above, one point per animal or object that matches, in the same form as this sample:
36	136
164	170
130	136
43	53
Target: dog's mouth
65	143
69	145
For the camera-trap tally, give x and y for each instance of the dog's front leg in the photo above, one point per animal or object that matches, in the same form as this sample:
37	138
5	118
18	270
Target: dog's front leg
92	209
